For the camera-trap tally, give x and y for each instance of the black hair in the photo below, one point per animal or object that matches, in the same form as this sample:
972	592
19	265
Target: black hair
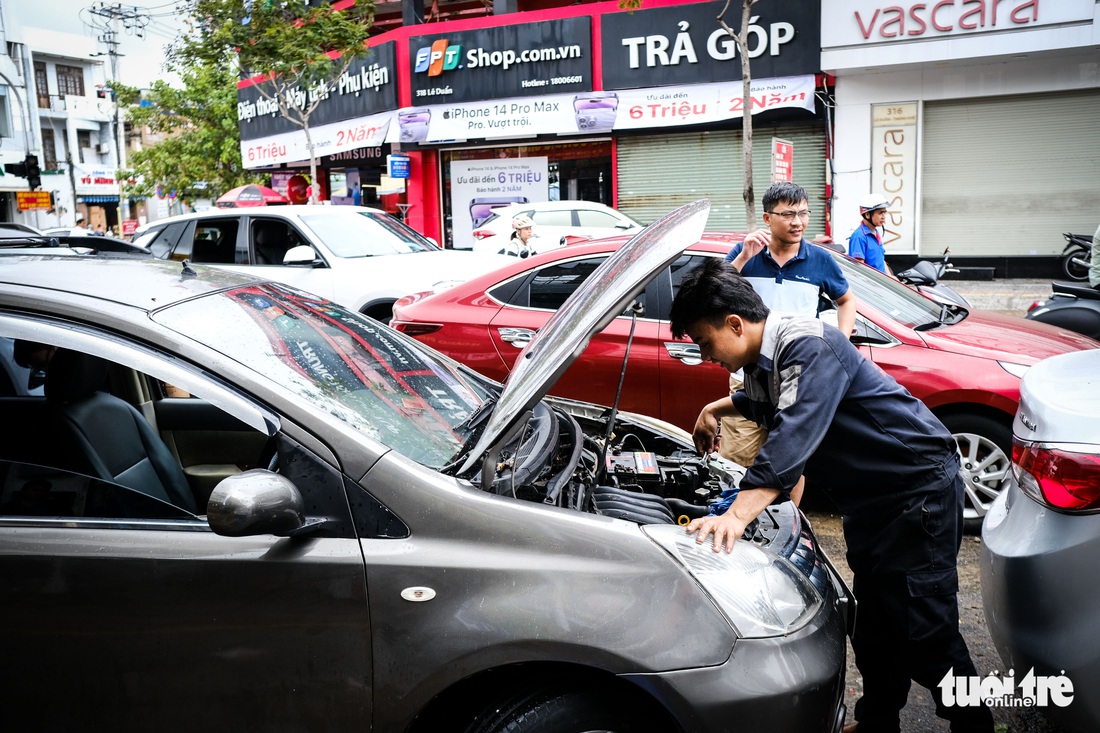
784	192
710	292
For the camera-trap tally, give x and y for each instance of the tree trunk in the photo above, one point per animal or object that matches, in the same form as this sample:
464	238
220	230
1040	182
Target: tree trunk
313	187
747	192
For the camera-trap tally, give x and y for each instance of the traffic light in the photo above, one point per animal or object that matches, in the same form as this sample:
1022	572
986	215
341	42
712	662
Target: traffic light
33	172
16	169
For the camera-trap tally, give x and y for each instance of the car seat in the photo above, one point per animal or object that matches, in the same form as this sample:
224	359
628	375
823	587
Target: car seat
106	436
269	238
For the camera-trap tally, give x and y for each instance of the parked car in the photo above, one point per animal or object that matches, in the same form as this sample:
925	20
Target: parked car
554	220
362	258
964	364
69	232
1042	537
18	240
341	529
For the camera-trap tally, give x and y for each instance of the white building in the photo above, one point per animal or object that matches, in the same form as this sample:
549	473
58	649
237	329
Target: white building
17	120
980	119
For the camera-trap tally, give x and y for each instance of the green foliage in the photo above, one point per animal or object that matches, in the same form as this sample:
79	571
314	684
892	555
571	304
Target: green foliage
201	140
298	48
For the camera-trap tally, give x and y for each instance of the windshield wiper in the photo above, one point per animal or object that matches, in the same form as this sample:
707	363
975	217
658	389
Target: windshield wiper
479	412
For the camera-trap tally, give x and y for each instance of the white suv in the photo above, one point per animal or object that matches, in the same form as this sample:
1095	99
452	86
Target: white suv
554	220
361	258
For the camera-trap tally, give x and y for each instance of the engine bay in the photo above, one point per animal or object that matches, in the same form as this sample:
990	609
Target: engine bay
562	454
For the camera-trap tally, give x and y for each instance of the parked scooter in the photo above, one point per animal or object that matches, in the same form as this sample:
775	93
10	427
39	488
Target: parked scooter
1075	306
1076	256
925	277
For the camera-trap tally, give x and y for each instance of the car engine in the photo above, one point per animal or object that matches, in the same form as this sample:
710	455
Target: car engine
564	455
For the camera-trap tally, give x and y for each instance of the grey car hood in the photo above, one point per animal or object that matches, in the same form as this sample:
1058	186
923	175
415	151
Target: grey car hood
604	295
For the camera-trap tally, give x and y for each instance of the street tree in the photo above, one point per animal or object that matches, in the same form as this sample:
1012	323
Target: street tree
200	146
293	52
741	38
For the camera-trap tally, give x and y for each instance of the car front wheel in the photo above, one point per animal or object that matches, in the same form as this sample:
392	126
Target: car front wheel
985	451
563	710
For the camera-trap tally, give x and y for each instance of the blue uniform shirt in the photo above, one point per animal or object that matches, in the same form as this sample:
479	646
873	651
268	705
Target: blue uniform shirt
795	288
865	245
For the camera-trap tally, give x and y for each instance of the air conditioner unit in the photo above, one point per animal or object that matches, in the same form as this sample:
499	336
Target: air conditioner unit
103	148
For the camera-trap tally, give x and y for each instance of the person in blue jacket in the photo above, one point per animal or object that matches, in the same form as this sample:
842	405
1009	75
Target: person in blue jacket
865	243
885	460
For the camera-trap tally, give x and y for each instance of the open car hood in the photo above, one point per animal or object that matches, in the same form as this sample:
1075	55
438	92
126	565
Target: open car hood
603	296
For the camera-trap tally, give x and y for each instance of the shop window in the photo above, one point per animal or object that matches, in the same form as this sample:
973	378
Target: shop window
49	150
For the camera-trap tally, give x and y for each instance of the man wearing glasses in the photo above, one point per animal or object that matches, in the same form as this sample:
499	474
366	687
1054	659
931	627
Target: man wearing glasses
791	276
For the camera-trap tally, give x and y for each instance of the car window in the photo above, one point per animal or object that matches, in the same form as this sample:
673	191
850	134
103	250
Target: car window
553	218
214	242
551	285
365	234
161	240
28	490
348	367
590	218
272	239
888	296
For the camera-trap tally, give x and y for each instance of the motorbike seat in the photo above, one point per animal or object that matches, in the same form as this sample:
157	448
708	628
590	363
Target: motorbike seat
1078	289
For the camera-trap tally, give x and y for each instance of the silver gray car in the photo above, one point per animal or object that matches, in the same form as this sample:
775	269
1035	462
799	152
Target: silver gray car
1041	541
239	506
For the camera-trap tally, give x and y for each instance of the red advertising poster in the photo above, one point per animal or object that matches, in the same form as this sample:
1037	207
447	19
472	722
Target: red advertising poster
782	160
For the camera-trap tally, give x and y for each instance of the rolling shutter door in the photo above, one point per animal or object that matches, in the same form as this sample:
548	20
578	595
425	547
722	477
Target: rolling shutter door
657	173
1007	175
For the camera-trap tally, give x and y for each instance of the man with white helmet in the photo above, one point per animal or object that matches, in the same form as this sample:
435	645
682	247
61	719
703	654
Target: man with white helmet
520	244
865	244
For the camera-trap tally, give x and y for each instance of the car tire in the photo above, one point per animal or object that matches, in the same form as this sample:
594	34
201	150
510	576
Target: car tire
985	451
564	710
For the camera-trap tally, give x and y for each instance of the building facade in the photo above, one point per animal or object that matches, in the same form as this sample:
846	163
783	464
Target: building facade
977	118
640	111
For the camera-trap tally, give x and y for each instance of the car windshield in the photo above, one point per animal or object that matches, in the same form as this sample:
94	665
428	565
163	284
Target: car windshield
365	234
890	297
376	380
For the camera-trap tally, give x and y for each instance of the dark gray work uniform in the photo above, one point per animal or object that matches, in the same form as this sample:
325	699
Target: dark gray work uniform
892	469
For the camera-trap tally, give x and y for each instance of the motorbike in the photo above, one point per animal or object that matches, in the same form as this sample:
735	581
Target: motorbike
1077	256
1072	305
925	277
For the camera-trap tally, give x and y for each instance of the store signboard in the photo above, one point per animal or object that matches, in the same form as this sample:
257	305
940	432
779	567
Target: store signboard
479	186
398	166
522	60
782	160
95	181
684	44
595	112
894	171
330	139
28	200
873	22
368	87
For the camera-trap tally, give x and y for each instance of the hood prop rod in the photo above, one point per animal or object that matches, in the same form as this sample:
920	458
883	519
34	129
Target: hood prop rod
601	469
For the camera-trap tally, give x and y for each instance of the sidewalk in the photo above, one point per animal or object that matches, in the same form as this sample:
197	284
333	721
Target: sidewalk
1010	295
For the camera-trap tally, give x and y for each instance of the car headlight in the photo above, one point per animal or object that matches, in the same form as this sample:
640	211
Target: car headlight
761	594
1016	370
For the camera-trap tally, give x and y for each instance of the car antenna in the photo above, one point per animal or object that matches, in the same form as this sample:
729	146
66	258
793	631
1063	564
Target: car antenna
187	271
601	468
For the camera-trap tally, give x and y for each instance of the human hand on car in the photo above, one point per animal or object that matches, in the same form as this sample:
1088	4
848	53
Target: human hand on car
705	434
726	529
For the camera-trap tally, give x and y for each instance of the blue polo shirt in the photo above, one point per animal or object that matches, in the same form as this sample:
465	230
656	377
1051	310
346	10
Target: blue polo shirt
864	244
795	288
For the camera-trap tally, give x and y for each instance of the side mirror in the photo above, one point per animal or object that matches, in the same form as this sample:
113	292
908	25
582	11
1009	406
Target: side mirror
303	254
258	502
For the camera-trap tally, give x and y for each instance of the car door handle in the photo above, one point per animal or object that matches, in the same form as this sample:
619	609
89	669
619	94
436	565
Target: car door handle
518	337
687	353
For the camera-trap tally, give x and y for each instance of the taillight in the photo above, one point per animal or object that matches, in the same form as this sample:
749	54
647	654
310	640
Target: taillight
484	233
415	329
1066	480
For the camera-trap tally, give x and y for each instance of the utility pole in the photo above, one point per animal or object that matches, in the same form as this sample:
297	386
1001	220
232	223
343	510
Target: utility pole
105	18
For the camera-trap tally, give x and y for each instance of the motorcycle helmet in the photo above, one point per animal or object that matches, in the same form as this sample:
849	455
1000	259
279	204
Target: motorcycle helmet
522	222
873	202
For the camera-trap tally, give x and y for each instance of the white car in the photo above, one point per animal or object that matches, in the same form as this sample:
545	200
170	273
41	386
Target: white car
361	258
554	220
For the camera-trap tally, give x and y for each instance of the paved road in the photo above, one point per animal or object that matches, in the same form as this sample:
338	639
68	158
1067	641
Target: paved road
1010	296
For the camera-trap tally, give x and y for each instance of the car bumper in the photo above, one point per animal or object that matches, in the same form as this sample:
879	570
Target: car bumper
784	683
1040	609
